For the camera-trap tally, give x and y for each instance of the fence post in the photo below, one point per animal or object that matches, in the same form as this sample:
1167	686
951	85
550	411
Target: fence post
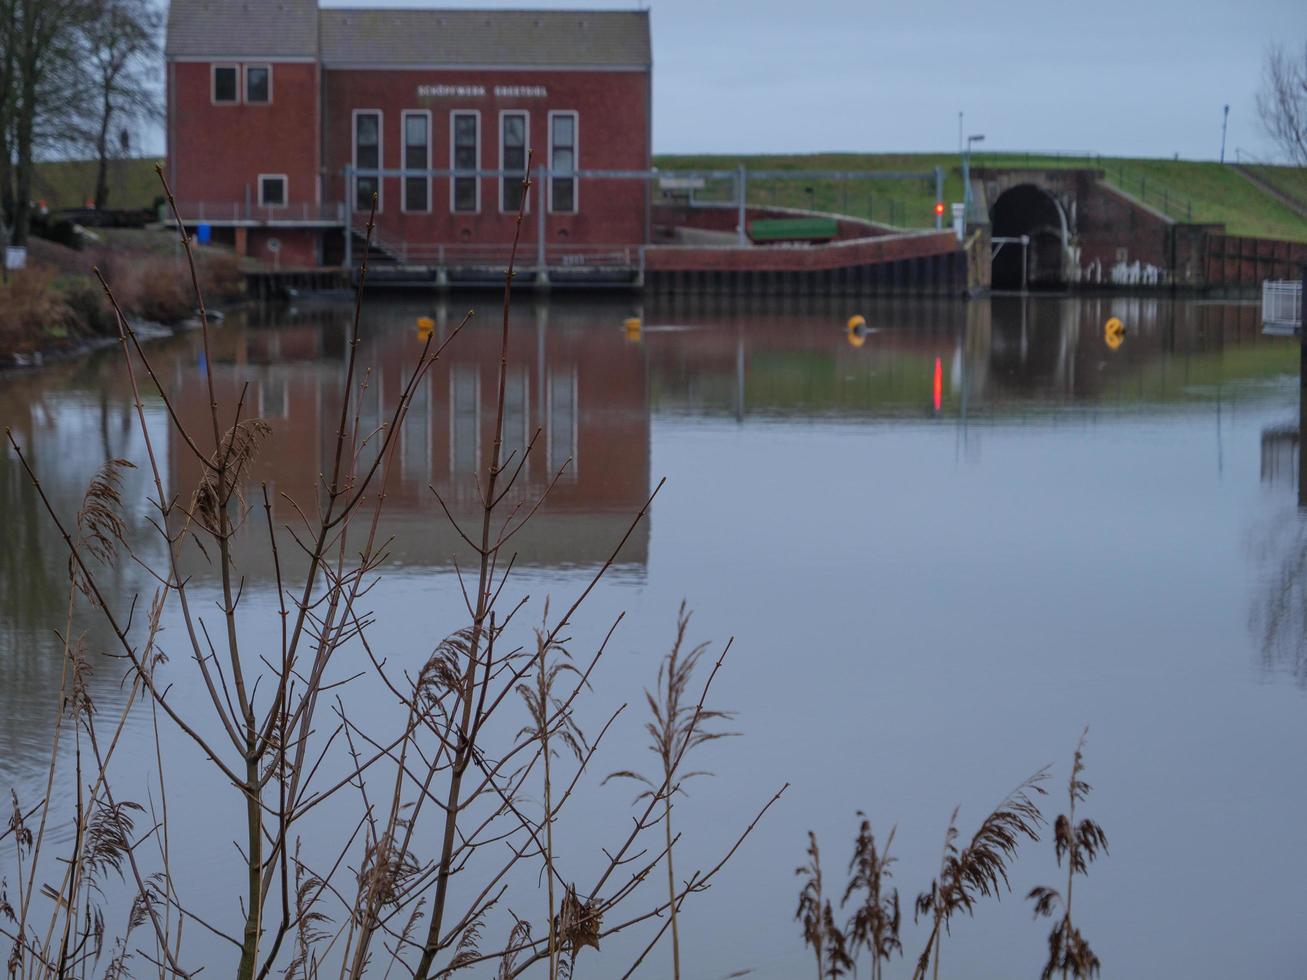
741	190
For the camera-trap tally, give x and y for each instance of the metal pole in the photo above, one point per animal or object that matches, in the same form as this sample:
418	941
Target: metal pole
1225	119
1025	262
349	220
939	197
966	184
741	189
542	202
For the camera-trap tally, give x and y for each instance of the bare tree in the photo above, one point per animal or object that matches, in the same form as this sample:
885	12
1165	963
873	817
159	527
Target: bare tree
1282	101
42	39
122	46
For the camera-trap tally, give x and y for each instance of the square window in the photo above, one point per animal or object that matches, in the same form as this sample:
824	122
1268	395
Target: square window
272	191
258	84
224	84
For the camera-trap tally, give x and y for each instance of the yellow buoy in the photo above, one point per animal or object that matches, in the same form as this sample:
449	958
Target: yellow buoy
856	322
1114	333
426	326
633	326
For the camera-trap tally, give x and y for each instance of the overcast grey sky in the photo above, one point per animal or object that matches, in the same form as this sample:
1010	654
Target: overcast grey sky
1136	77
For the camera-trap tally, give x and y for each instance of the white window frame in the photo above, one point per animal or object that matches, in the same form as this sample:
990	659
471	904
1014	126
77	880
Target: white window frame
453	149
403	149
213	83
354	156
285	190
503	179
576	160
245	80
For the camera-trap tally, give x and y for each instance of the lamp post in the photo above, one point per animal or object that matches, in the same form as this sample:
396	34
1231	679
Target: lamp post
966	175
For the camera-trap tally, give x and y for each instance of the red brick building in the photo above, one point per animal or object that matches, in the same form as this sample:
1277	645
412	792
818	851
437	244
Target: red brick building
284	119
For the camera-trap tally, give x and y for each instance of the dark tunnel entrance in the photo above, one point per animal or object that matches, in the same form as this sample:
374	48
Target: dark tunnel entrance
1027	210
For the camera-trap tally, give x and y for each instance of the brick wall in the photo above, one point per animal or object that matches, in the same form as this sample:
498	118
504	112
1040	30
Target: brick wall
613	134
216	152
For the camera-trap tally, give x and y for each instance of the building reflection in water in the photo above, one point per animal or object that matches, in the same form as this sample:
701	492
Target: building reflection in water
593	390
582	387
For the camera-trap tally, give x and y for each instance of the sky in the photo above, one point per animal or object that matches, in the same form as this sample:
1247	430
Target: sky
1129	77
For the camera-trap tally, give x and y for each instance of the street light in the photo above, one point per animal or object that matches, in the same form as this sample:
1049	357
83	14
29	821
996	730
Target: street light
966	176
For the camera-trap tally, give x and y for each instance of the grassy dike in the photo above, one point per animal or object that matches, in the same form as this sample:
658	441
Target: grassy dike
1210	192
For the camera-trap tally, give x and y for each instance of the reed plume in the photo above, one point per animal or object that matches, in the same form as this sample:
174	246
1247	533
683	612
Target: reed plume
876	916
980	868
820	932
675	729
1080	844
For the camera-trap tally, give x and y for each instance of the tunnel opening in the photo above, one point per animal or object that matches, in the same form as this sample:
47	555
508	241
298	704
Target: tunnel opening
1028	210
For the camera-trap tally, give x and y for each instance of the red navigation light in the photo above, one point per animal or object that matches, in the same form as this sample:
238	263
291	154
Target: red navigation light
939	208
939	384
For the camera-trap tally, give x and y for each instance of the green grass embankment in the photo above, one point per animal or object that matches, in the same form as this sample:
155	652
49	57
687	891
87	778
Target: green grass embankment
1184	189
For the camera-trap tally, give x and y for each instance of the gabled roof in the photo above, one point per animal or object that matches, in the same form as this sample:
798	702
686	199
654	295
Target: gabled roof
242	28
492	38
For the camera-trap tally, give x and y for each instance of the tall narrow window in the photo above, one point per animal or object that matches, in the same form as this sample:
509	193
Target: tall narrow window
512	159
225	91
466	126
367	156
417	157
258	84
562	161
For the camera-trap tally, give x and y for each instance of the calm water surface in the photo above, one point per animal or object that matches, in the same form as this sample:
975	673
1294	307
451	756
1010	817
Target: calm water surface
942	554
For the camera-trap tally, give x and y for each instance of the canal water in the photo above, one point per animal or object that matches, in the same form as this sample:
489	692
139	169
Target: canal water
944	546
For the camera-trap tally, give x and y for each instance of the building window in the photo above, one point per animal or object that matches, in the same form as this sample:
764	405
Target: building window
367	156
225	91
512	159
466	191
562	161
417	156
272	190
258	84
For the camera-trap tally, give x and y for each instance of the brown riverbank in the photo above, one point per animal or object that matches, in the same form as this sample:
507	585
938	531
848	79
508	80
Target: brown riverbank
56	307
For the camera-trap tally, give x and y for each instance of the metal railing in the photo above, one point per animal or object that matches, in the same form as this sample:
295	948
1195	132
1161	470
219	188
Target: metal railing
1135	181
1282	303
244	212
497	256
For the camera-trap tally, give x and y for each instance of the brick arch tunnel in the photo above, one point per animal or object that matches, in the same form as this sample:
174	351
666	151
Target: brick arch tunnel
1027	209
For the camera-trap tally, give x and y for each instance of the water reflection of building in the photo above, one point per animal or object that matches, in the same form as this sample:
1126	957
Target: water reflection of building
578	382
